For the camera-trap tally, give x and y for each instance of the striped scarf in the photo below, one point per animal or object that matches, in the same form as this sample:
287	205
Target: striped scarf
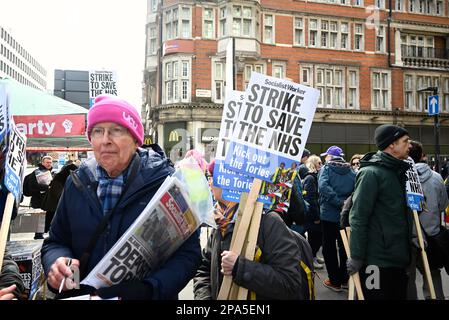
109	189
224	215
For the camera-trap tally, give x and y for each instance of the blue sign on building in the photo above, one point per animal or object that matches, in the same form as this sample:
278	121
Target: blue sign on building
433	105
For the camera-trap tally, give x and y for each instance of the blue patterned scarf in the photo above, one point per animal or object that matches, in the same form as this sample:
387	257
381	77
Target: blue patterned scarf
109	189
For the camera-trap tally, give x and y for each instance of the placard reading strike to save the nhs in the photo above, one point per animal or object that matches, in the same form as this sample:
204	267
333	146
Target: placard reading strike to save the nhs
272	129
232	183
415	195
225	178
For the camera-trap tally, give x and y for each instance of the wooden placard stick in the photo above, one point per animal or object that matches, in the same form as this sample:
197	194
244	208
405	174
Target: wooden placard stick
7	213
424	255
351	291
243	198
241	234
251	242
355	277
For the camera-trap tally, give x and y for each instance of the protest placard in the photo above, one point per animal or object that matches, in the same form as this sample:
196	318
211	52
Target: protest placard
14	144
267	143
273	129
415	195
415	198
101	82
225	178
15	162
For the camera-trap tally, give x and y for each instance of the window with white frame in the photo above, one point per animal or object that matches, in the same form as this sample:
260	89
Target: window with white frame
439	8
330	82
186	18
424	81
379	4
305	76
324	33
329	34
152	40
268	29
412	5
257	18
380	90
208	23
344	27
178	22
171	23
278	69
428	6
242	20
218	81
380	39
416	100
358	3
299	31
313	32
353	89
399	5
249	68
445	94
153	4
223	21
333	41
177	80
358	37
408	92
417	46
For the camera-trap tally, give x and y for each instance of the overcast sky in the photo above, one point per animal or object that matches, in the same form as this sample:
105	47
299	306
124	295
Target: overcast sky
83	35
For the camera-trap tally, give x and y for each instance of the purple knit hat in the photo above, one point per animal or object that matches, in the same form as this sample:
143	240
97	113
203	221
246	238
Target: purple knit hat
108	108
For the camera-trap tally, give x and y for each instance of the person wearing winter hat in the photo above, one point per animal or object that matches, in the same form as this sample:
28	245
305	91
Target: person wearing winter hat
113	187
436	201
380	220
275	276
302	170
335	184
331	152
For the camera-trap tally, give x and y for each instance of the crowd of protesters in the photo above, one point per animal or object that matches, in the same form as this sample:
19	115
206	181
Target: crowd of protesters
95	203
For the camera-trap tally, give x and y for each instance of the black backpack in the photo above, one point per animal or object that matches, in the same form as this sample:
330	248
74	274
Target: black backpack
27	184
307	268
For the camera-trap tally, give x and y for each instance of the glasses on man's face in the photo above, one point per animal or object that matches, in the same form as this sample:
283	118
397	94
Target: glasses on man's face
355	164
114	132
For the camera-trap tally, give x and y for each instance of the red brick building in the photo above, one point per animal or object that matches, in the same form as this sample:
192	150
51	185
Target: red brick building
368	58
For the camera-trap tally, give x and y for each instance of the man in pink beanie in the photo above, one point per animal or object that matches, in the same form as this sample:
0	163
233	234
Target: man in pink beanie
109	108
103	198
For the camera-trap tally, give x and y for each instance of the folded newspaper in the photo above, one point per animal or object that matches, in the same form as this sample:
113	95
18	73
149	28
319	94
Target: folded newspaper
167	221
44	178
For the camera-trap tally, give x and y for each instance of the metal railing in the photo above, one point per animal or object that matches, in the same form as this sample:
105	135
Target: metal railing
424	52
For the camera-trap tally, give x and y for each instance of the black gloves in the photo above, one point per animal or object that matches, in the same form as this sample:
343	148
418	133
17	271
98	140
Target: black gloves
128	290
353	266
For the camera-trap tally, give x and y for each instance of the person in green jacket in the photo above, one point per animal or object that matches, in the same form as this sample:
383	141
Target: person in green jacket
379	218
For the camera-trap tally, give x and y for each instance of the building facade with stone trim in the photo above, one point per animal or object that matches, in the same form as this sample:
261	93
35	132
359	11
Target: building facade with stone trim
368	58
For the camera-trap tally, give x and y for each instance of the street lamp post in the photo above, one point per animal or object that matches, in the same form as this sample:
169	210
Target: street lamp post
436	129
